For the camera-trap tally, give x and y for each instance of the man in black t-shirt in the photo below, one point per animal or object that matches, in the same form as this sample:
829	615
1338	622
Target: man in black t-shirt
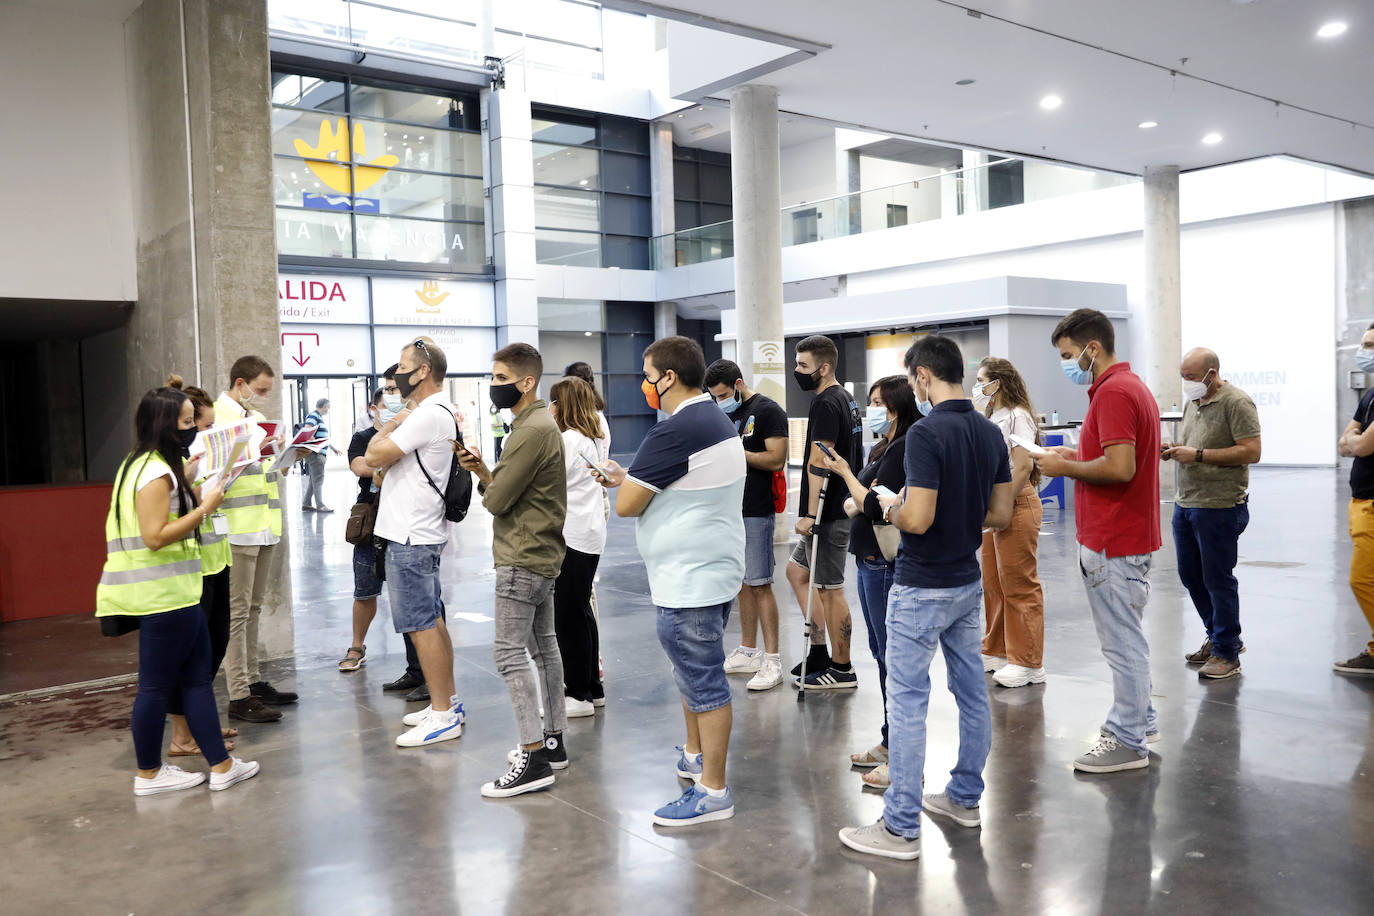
762	426
835	422
1357	441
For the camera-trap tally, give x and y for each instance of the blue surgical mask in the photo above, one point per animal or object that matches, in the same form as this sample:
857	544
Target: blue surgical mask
878	421
925	407
1076	373
730	405
1364	359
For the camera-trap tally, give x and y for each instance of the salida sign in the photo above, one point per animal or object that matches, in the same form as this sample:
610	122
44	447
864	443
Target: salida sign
336	300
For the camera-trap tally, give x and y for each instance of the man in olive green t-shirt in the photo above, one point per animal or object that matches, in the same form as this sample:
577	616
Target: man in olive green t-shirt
1220	440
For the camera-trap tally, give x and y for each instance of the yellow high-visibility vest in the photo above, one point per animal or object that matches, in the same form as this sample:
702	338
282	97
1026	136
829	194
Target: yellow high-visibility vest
137	581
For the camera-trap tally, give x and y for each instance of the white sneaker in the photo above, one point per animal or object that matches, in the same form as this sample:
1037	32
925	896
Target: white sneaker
1019	676
599	702
578	709
436	726
770	673
168	779
241	770
742	661
993	663
413	719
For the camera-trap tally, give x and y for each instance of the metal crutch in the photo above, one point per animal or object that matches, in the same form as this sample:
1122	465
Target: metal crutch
811	583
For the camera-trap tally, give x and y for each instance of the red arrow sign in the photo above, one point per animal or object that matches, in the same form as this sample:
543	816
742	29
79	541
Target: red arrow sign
302	359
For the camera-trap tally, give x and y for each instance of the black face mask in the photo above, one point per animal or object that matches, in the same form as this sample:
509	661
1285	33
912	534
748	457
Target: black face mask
807	381
404	384
185	437
504	397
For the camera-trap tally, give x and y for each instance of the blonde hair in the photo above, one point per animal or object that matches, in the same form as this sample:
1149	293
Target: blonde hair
576	407
1011	389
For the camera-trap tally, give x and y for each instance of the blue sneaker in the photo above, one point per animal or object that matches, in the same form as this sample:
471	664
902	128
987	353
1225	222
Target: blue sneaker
695	807
686	769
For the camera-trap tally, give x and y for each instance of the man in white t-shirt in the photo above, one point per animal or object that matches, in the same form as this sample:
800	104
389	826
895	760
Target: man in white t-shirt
414	451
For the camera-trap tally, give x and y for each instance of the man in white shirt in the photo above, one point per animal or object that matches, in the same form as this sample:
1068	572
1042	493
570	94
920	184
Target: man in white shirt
414	451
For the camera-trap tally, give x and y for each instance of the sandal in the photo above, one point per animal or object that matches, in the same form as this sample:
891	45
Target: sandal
872	757
193	749
351	662
228	732
877	778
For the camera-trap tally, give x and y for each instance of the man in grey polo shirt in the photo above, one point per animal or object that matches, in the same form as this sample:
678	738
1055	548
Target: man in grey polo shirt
1220	440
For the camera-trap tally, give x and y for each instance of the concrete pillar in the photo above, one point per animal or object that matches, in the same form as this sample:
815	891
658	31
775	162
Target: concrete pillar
757	192
663	212
198	75
1162	287
665	319
973	182
506	116
848	180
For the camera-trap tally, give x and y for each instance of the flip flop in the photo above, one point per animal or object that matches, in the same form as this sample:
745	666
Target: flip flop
195	748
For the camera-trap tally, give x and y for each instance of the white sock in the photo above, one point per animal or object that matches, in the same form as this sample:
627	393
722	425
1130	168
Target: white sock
714	793
748	651
692	758
773	655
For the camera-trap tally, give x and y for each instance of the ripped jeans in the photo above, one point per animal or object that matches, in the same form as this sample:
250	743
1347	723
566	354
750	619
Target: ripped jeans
1118	589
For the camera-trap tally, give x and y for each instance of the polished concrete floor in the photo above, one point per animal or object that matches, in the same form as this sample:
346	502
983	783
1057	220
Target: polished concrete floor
1259	799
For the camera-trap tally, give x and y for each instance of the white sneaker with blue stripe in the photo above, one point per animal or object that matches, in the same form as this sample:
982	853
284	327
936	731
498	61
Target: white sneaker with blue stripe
687	768
435	726
695	806
414	718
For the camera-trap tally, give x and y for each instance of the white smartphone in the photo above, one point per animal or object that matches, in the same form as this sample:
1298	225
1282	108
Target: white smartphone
882	490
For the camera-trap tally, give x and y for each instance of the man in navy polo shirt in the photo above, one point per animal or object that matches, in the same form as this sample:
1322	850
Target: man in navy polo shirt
958	482
685	486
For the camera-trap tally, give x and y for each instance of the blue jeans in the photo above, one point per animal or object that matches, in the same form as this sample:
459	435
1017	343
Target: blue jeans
919	619
1205	541
1118	589
693	638
875	581
412	584
758	550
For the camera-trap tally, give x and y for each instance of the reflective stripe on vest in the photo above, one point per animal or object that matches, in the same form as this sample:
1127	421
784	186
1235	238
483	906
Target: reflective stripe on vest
239	502
150	573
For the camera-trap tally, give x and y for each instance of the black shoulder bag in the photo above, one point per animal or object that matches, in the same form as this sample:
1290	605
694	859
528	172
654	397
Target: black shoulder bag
457	493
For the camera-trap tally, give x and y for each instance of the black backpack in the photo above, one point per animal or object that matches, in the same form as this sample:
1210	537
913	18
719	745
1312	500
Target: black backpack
457	494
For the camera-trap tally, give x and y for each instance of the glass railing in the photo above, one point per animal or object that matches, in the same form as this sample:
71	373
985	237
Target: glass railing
940	195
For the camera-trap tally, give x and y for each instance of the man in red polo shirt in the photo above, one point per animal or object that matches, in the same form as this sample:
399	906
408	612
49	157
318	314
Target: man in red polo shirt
1116	509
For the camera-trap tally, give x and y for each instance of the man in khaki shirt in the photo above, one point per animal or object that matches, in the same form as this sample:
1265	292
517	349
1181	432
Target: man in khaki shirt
527	496
1220	440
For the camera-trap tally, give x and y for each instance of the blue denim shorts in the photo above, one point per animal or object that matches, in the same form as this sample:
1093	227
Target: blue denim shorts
365	582
758	550
412	585
694	639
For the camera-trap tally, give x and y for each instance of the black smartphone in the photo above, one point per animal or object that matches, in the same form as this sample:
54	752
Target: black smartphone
825	451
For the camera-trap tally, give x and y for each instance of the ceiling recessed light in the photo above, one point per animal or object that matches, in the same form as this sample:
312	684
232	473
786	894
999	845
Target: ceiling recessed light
680	115
1212	139
1051	102
1332	29
1146	125
964	82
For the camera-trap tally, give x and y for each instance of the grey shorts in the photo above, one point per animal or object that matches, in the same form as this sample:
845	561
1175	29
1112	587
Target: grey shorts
832	552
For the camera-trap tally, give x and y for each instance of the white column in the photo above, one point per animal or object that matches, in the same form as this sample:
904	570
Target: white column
757	196
506	114
1162	286
665	320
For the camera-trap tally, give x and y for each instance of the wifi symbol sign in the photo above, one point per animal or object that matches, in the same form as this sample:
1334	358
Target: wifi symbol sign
769	351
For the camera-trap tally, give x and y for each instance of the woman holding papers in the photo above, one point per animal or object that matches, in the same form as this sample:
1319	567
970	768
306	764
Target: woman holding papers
891	413
214	597
153	572
1012	598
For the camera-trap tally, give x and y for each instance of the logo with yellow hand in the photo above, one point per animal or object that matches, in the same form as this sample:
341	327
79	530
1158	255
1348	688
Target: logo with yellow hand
330	158
429	297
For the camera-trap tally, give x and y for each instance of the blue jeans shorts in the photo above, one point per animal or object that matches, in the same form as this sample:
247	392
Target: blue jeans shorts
694	639
365	582
758	550
412	585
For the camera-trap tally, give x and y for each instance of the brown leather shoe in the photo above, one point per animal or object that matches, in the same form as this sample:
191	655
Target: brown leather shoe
252	709
1201	655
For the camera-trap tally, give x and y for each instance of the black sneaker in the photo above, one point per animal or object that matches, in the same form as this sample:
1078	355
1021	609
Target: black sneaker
554	752
818	660
271	695
830	679
529	773
1362	665
252	709
406	681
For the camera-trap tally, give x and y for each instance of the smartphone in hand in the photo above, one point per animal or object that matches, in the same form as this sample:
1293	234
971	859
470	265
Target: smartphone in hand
600	474
825	451
883	491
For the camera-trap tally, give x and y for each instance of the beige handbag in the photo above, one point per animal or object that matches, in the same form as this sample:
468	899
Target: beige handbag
889	540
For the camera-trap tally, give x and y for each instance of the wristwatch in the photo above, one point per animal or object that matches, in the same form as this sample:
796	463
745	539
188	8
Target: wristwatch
1199	456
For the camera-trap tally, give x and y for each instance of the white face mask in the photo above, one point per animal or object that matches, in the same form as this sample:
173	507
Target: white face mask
980	396
252	401
1196	391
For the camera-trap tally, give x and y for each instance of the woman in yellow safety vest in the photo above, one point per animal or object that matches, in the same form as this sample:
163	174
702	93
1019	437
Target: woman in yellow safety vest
215	559
153	572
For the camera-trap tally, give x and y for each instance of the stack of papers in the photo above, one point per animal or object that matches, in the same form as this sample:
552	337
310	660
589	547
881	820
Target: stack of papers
1027	444
219	448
